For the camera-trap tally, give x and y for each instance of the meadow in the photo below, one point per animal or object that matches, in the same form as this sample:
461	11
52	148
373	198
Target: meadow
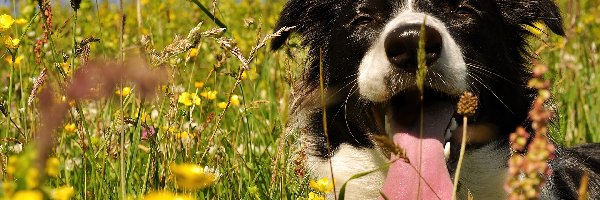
183	99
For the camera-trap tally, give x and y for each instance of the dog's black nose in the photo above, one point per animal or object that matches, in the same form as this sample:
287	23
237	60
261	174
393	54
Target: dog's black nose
402	44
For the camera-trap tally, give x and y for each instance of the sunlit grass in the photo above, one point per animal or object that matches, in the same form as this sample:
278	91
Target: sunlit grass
212	113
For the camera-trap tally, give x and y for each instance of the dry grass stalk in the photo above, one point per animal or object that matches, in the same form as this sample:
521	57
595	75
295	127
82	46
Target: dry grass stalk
229	44
467	106
388	145
583	186
75	4
179	45
46	10
83	49
37	83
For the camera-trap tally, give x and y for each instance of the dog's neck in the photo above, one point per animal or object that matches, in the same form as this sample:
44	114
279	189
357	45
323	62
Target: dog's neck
484	171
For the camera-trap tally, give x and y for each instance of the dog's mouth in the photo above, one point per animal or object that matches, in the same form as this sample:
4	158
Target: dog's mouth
420	125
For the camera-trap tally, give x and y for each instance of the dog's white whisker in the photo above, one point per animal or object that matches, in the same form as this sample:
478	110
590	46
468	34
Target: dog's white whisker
477	78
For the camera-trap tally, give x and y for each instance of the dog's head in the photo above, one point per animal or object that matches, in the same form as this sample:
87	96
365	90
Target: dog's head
367	50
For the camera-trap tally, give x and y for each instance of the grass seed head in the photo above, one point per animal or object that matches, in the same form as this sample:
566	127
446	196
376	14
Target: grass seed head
388	145
467	105
75	4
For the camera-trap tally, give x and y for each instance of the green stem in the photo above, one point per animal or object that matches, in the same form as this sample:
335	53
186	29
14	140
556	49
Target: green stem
10	86
122	129
210	15
74	50
463	145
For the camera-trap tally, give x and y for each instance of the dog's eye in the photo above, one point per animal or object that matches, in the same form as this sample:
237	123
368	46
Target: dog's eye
362	20
465	10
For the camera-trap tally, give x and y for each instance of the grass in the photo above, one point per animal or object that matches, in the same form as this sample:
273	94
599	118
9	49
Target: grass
100	147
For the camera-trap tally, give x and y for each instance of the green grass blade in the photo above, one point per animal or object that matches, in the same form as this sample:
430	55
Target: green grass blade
210	15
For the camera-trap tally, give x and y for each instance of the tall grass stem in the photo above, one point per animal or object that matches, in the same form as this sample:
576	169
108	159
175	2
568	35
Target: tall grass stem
463	145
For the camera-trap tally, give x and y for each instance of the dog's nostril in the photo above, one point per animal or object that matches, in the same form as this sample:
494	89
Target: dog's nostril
402	44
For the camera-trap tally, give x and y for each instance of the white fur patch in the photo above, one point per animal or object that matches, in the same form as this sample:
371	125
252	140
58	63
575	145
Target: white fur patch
375	69
348	161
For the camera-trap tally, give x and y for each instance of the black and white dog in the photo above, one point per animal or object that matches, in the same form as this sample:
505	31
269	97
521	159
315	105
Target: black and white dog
368	53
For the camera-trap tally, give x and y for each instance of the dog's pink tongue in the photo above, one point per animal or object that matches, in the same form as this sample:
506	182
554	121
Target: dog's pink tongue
427	153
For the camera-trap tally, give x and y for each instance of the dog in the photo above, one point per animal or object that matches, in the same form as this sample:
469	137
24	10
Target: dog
365	54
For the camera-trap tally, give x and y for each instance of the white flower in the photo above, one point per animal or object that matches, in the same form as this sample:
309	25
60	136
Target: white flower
17	148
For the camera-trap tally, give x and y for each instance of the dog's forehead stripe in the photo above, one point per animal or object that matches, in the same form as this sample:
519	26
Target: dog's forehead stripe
409	5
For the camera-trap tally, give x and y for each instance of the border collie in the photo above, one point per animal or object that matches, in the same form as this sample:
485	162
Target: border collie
367	51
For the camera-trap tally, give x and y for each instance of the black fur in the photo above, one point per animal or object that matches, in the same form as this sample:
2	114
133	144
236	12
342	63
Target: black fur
493	39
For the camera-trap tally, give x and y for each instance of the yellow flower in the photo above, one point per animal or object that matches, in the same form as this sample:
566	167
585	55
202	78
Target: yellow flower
322	185
11	168
222	105
64	99
124	92
63	193
314	196
6	21
168	129
235	100
192	176
145	118
70	128
184	135
209	94
8	187
193	53
244	75
32	178
188	99
11	43
66	66
166	195
29	195
18	60
21	21
52	167
198	84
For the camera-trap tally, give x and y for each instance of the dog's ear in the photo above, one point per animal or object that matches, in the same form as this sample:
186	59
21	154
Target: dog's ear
288	18
529	12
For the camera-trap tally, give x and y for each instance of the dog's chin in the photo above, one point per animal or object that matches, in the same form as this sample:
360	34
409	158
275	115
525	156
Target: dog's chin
420	123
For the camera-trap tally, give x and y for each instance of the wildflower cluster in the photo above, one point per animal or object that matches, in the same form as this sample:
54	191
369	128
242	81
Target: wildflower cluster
528	165
88	95
6	22
189	99
28	187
